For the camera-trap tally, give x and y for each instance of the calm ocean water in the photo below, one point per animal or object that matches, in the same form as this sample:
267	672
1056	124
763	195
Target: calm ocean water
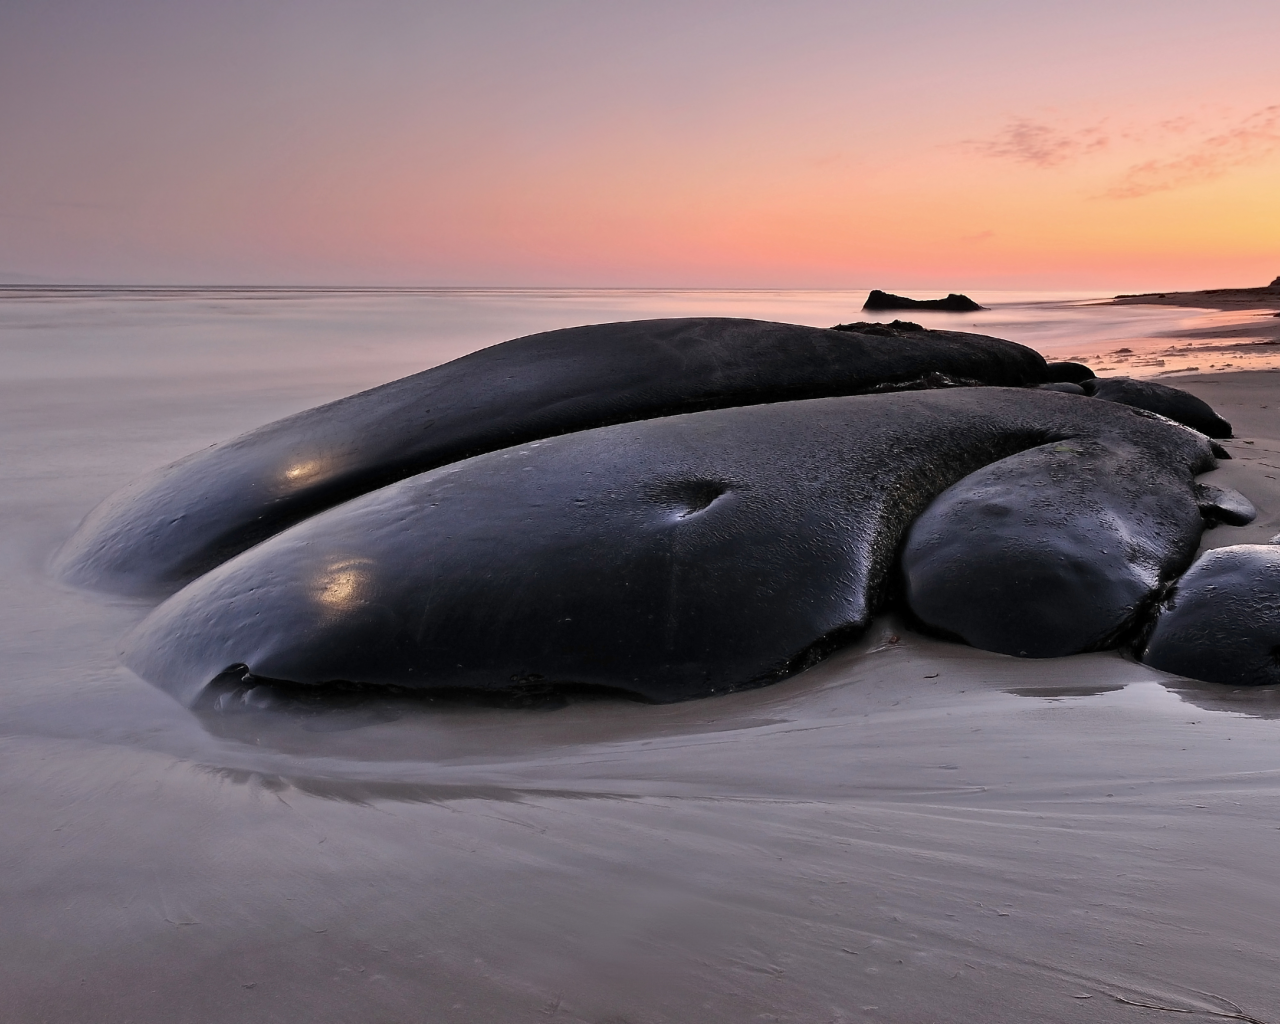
365	336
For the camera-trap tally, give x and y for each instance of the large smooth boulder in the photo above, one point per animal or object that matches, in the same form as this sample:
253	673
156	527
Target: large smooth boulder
694	554
1221	621
164	530
1060	549
1159	398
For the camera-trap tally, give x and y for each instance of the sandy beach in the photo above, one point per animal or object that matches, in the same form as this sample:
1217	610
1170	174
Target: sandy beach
1239	329
1262	297
216	217
910	831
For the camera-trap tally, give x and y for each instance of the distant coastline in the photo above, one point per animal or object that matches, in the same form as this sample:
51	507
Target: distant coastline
1266	297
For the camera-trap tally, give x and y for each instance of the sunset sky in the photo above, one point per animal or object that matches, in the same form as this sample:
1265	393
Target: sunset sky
916	143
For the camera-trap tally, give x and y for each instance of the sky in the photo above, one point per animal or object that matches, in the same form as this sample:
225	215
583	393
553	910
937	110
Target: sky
914	144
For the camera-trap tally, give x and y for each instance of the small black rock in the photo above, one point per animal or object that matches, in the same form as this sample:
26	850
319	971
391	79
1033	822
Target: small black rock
1069	373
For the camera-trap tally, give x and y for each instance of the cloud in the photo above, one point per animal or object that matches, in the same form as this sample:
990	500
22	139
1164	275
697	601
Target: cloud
1194	152
1252	140
1040	145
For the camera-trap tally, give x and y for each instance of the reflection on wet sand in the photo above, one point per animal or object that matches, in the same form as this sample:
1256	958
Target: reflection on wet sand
1251	701
1208	341
1063	692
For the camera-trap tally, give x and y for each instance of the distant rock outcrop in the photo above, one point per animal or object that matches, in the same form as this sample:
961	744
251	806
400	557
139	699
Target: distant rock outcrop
1263	296
953	303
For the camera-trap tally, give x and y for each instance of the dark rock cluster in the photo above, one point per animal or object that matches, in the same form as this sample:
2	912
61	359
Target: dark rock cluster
677	508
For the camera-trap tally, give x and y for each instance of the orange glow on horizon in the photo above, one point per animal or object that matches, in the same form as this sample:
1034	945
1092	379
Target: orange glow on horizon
987	145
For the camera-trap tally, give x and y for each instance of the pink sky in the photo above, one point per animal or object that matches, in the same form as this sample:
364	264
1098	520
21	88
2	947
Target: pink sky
806	144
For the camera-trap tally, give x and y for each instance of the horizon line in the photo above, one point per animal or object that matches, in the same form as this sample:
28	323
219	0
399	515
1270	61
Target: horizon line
11	286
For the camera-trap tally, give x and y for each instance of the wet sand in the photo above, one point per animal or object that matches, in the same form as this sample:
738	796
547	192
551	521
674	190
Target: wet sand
1237	329
911	831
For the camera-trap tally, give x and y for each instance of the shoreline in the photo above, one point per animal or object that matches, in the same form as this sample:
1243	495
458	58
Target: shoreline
1231	340
1225	299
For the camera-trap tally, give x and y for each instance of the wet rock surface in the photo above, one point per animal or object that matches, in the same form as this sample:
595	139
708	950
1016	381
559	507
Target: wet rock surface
1159	398
169	527
1058	549
691	555
1069	372
1221	621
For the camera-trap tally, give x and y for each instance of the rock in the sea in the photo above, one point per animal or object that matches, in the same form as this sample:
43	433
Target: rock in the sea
1159	398
953	303
169	527
1221	621
694	554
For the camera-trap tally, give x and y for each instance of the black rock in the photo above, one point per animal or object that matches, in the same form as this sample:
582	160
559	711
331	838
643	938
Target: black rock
1159	398
1224	505
1059	549
1221	621
881	330
1065	387
1070	373
169	527
690	555
953	303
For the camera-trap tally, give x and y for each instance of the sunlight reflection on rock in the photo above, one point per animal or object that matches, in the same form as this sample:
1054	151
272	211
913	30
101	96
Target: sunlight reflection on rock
344	585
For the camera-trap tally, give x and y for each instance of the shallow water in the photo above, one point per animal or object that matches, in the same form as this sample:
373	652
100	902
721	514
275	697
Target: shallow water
911	831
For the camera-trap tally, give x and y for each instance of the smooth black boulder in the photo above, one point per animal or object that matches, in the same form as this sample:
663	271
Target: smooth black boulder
683	556
1066	372
1061	548
1159	398
1221	621
1064	387
169	527
1223	505
953	303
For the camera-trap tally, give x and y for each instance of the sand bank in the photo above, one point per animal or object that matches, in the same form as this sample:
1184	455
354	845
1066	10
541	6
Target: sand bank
1265	297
